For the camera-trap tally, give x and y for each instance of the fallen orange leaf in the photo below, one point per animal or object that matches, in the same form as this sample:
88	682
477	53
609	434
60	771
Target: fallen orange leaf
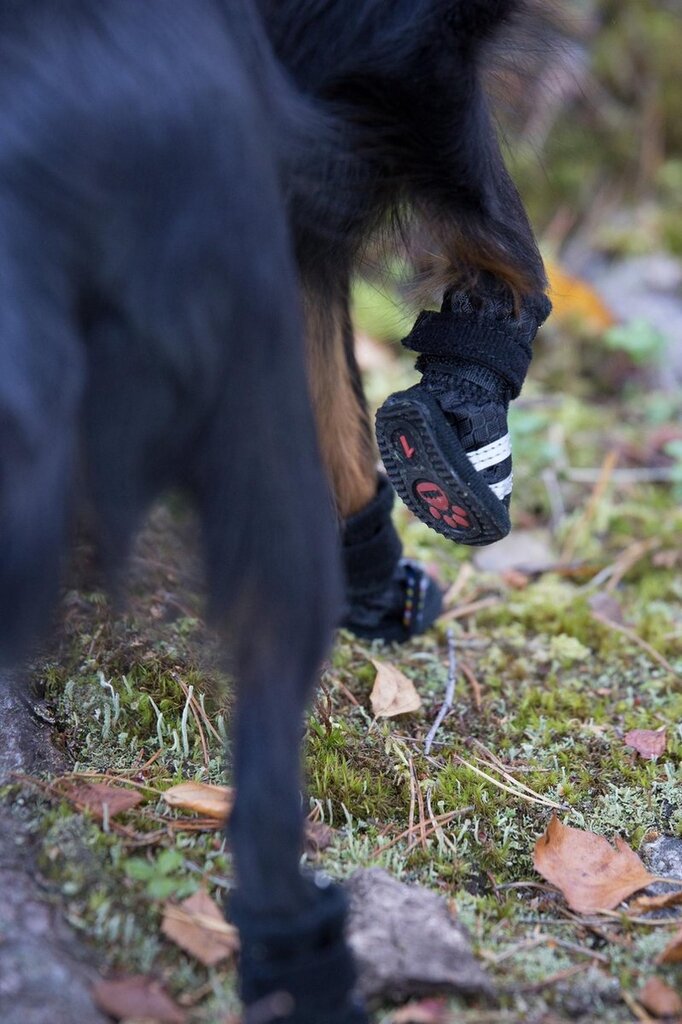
96	796
672	954
574	299
430	1011
590	873
213	801
393	693
198	926
648	743
137	998
659	999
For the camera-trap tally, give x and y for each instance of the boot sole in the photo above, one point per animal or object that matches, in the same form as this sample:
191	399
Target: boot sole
430	471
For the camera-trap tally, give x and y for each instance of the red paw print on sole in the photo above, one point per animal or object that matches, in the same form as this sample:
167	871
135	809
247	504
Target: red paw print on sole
440	507
430	470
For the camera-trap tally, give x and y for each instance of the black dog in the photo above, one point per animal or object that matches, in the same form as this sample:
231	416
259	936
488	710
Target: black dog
173	175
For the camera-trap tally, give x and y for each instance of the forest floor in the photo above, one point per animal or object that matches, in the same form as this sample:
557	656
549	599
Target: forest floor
568	635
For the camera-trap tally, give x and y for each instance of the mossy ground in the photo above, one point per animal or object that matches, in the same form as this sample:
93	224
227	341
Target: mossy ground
558	690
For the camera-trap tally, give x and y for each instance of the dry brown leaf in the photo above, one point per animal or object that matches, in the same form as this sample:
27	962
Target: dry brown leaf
198	926
659	999
574	299
648	743
672	954
213	801
590	873
95	796
643	904
393	693
137	998
430	1011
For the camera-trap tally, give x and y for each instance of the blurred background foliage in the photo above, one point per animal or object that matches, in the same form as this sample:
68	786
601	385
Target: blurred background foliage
604	158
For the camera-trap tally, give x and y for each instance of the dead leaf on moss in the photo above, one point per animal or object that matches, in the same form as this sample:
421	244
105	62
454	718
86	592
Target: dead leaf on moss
590	873
213	801
98	796
659	999
672	954
198	926
648	743
137	998
393	693
430	1011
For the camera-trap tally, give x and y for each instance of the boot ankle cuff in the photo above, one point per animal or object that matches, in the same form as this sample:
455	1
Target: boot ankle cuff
485	332
371	547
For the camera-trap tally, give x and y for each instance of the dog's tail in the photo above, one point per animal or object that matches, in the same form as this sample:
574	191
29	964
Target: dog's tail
40	387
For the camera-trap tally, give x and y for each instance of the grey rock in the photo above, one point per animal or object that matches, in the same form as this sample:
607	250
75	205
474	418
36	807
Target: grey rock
25	744
406	942
529	550
663	857
649	288
45	974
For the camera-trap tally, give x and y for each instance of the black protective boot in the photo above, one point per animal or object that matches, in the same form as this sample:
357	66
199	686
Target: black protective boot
445	442
298	971
388	597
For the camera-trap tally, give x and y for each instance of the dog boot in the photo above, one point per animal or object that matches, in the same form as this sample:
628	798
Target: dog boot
388	597
445	442
298	972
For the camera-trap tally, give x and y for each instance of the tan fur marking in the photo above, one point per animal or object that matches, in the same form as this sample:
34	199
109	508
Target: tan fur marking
344	434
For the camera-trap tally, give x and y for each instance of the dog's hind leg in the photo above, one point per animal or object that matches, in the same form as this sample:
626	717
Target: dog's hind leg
346	439
387	597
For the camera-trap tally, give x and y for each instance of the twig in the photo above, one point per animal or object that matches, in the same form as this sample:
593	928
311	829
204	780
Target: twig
636	639
629	558
470	609
653	475
636	1009
557	505
537	986
441	820
436	827
473	682
446	706
601	484
420	803
463	576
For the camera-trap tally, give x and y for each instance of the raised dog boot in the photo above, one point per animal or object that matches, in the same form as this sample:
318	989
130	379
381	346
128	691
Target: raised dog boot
445	442
388	597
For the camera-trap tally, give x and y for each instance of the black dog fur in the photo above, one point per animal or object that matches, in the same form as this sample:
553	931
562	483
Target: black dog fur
172	173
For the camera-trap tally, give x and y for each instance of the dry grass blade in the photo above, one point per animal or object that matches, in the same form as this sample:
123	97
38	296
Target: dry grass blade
638	640
516	790
606	472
